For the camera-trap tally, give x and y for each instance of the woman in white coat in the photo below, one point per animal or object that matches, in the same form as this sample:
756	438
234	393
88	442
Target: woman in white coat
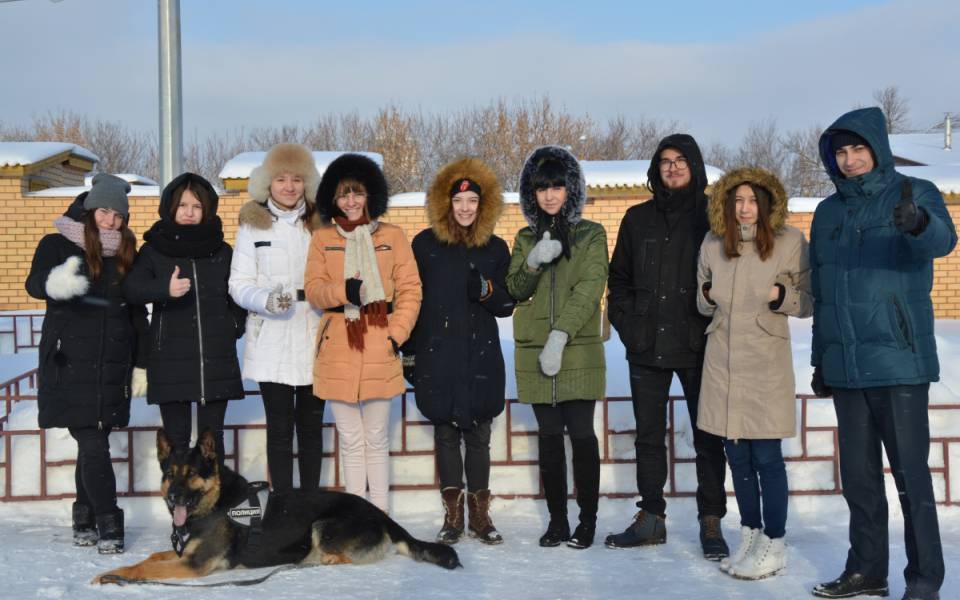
266	278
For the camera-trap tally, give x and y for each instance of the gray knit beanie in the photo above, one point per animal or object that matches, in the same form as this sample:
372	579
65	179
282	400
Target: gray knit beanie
108	191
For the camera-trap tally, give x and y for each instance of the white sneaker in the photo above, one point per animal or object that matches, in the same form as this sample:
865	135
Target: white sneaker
748	536
767	558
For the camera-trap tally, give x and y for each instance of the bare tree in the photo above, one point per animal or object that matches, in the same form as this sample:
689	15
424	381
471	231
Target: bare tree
895	108
805	174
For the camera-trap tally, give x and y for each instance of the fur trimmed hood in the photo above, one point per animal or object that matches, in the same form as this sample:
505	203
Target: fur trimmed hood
572	210
293	158
439	204
756	176
257	215
364	170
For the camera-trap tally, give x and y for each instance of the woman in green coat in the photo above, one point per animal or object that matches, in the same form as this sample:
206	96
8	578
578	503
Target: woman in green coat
558	273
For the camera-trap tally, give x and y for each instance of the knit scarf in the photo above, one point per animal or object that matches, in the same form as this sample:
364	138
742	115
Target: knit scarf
360	256
186	241
73	231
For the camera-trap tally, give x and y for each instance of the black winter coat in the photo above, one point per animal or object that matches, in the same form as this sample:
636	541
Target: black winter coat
192	339
88	344
653	273
459	363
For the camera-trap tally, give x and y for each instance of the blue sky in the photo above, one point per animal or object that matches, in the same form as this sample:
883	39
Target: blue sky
713	67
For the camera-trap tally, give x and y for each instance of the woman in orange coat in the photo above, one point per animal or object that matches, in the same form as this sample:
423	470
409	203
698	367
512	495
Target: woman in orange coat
362	273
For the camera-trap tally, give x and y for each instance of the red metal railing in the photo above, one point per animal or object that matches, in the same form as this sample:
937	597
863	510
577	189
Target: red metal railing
20	331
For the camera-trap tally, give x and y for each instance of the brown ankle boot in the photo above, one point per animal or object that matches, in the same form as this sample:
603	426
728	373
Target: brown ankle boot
480	525
452	529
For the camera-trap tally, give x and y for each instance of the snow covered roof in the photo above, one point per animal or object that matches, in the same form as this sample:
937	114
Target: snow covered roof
626	173
76	190
924	148
945	177
420	198
15	154
131	178
241	165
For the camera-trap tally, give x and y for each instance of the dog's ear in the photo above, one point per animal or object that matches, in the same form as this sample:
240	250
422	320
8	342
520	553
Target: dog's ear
163	446
207	445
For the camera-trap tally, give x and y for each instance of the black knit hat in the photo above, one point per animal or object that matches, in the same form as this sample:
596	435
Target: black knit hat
843	137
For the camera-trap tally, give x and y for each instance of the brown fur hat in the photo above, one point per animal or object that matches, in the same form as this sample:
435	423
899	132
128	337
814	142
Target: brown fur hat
756	176
293	158
439	204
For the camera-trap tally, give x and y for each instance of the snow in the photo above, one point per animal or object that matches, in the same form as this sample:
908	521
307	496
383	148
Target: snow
420	199
136	191
131	178
13	154
626	173
803	205
241	165
924	148
945	177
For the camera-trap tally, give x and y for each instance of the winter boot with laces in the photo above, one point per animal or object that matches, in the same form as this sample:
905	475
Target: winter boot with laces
748	536
84	525
766	558
110	526
711	539
452	529
480	525
647	529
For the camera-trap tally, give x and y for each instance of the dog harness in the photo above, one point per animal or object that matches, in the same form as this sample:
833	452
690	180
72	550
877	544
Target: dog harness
248	514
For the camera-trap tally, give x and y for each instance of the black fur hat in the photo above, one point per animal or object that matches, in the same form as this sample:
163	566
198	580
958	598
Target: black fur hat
364	170
572	175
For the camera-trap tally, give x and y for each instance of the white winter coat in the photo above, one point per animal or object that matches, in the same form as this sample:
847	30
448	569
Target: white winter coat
271	249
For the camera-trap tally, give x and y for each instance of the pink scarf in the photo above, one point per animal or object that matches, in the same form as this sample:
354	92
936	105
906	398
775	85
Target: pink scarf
73	231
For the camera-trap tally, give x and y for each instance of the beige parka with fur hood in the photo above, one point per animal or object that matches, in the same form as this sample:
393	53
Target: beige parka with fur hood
748	390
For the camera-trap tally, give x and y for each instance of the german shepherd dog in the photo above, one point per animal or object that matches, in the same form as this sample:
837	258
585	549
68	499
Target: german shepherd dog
306	527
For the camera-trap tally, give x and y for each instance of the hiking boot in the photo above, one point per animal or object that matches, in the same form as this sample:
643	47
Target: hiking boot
647	529
480	525
582	536
767	558
452	529
557	533
849	585
110	526
84	525
711	539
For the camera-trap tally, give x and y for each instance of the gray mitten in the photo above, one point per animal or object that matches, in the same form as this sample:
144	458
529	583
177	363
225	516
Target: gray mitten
552	354
65	281
544	252
279	302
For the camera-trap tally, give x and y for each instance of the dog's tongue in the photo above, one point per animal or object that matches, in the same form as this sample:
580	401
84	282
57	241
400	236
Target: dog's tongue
179	515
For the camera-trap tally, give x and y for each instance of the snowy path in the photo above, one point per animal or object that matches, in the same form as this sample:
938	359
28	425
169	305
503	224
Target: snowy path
38	560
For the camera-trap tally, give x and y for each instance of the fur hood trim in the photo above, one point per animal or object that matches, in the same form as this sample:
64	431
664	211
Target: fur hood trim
257	215
572	209
439	204
364	170
756	176
293	158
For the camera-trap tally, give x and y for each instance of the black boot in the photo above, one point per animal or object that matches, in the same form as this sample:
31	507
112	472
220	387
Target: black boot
849	585
553	473
586	478
110	526
84	525
711	539
647	529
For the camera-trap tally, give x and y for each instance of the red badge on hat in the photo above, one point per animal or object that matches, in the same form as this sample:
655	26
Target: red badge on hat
464	185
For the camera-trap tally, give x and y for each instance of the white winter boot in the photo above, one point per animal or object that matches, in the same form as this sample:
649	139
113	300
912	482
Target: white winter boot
767	558
748	536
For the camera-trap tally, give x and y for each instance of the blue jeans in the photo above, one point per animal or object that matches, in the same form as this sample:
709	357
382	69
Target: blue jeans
759	472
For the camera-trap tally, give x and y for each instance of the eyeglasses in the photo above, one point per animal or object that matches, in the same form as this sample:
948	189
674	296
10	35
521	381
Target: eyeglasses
354	195
680	163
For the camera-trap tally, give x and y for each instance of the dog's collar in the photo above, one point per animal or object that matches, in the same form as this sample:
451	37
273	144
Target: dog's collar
179	538
250	511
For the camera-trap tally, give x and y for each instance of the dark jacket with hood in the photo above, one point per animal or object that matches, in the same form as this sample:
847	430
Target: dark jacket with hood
873	317
653	273
459	373
563	295
193	353
88	344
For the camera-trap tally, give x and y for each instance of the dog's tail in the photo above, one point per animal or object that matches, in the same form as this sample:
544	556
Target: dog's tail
421	551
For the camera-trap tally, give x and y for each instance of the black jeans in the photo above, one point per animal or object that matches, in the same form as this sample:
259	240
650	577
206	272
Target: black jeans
896	418
451	463
178	422
95	480
290	408
650	391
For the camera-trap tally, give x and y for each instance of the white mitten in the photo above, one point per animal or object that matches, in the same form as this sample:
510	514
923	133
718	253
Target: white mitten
138	383
279	302
551	356
544	252
65	281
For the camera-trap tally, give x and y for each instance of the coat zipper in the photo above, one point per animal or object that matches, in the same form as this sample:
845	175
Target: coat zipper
553	281
160	332
103	335
196	296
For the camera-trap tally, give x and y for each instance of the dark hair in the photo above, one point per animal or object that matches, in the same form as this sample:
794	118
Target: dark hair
763	241
202	195
549	173
93	249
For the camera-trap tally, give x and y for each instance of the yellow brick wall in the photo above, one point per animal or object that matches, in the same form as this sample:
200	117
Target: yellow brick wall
26	220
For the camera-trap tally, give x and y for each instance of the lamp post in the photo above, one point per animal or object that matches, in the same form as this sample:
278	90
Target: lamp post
171	98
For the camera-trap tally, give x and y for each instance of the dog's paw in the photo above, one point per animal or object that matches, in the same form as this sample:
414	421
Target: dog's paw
109	577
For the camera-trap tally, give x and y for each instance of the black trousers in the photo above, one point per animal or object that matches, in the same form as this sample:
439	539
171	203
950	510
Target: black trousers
476	458
178	422
95	480
895	418
292	409
650	391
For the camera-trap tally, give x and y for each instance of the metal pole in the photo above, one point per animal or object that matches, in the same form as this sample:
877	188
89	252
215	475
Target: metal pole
171	98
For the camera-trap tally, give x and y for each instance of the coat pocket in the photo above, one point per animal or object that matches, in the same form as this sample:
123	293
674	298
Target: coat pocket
322	335
900	323
774	324
715	323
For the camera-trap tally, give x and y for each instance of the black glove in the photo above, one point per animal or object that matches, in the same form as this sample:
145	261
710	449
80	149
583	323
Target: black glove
409	368
353	291
907	216
819	387
705	289
478	286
